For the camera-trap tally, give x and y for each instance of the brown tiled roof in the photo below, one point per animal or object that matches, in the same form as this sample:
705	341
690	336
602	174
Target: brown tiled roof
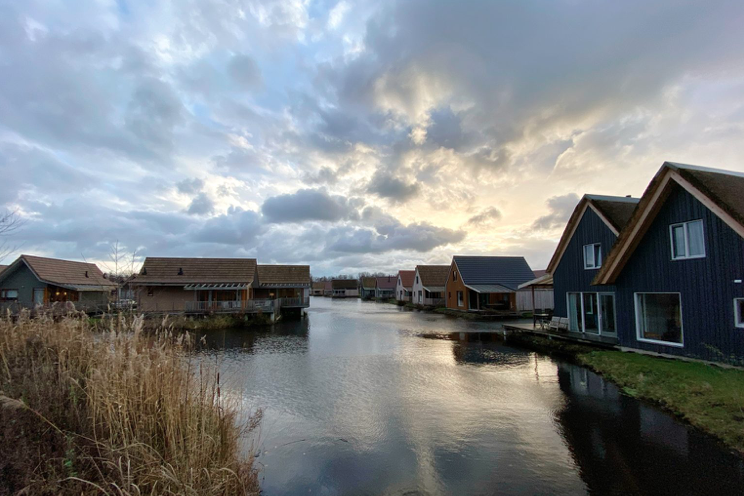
539	273
345	284
368	282
407	277
165	270
387	282
3	267
319	285
283	275
433	275
66	272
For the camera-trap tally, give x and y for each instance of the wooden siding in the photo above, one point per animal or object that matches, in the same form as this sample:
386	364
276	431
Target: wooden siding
24	281
570	274
452	287
706	285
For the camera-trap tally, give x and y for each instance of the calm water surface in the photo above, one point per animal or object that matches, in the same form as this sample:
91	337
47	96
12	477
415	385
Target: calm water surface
365	398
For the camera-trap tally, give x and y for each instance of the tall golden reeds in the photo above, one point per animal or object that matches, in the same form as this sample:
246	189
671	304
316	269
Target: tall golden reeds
114	411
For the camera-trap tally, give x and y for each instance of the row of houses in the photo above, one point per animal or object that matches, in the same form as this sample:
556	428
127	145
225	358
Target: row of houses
163	285
661	273
469	284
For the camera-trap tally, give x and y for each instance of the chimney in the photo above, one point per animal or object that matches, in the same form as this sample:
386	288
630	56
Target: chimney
180	271
144	271
86	273
628	196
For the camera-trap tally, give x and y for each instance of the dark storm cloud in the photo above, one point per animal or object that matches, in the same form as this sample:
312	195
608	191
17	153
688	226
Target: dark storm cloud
202	204
385	185
560	208
305	205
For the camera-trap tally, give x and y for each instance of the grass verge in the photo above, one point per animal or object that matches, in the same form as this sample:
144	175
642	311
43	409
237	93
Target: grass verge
114	412
710	398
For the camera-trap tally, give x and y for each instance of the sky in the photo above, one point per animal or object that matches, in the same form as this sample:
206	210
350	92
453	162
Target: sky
350	135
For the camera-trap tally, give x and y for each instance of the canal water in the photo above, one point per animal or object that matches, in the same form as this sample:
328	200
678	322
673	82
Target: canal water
363	398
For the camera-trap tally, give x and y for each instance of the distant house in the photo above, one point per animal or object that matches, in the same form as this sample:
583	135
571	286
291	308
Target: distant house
328	289
537	294
228	285
404	285
367	287
429	284
318	288
476	283
32	281
672	281
385	287
345	288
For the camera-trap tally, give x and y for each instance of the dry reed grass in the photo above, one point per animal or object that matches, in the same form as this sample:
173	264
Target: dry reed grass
114	412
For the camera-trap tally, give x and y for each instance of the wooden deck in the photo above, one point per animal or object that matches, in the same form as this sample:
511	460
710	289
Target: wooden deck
579	337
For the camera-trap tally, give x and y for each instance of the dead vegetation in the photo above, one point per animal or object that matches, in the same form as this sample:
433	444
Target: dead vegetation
115	412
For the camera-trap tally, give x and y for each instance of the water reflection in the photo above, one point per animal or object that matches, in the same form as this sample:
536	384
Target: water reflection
625	447
357	402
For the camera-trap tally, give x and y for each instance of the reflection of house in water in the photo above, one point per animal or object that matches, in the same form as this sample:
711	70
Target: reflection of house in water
648	450
249	340
485	348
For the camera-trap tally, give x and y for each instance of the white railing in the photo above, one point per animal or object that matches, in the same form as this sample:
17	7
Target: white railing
248	306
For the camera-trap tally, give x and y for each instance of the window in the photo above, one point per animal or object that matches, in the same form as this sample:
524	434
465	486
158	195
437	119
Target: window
593	256
739	312
454	276
150	291
8	294
416	279
592	313
659	318
687	240
459	299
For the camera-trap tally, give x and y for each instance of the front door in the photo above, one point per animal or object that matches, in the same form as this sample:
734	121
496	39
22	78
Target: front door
38	296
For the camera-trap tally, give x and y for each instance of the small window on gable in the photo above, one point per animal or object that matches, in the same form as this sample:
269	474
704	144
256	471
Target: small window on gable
739	312
454	275
687	240
593	256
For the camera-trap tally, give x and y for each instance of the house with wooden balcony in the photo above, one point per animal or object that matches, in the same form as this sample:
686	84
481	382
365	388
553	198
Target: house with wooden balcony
38	282
219	285
429	285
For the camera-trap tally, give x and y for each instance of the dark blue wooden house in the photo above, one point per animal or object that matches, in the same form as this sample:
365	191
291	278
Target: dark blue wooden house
589	236
674	270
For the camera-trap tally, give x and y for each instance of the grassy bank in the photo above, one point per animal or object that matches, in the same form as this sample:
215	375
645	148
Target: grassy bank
114	412
710	398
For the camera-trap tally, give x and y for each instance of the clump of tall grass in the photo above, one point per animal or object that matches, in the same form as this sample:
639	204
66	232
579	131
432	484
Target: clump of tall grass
114	411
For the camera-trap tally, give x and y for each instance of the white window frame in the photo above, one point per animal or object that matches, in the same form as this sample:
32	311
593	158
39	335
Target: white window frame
597	311
594	266
638	322
686	229
738	316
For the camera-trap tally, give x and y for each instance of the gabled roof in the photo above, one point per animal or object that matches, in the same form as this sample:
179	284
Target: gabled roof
284	275
177	271
433	276
387	282
544	280
345	284
368	282
719	190
65	273
407	277
507	272
614	211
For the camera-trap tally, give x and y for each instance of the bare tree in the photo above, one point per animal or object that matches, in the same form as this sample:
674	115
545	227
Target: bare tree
10	222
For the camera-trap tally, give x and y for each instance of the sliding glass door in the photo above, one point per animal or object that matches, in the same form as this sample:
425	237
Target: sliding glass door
592	313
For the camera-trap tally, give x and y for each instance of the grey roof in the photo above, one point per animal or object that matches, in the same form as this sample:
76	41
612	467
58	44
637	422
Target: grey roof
345	284
543	280
490	288
509	272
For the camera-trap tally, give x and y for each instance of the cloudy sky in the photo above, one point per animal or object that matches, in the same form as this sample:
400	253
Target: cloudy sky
351	135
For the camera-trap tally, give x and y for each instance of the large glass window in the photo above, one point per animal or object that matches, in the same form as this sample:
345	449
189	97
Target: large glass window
593	256
687	240
739	312
592	313
659	317
9	294
459	299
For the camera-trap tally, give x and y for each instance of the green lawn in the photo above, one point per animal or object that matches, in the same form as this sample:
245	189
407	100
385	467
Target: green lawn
708	397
